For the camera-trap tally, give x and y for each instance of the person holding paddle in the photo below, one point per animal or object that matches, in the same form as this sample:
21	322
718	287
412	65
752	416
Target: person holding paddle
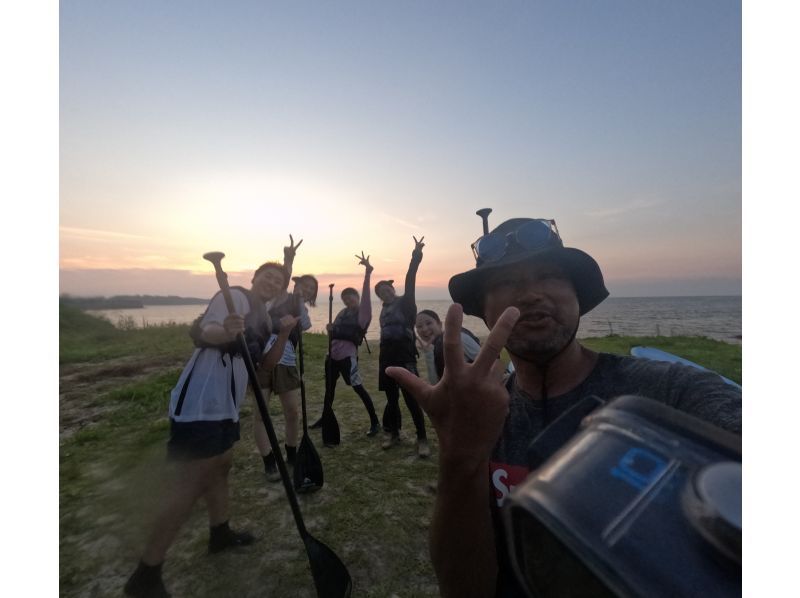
204	422
397	348
347	333
284	378
531	291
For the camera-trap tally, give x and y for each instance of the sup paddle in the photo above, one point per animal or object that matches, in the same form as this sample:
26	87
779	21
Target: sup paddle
331	578
308	475
330	427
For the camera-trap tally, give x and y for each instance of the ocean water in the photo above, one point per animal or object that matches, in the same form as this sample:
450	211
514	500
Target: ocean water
715	317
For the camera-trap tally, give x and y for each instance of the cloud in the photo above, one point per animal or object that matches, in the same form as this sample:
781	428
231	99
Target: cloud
619	210
97	235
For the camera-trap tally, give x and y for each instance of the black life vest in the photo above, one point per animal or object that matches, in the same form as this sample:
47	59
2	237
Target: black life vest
346	327
289	307
394	326
258	328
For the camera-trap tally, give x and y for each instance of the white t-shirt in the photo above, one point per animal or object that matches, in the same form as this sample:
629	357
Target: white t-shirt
212	385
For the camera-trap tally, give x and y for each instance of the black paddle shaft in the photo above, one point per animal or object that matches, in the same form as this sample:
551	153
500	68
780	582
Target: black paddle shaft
308	474
330	427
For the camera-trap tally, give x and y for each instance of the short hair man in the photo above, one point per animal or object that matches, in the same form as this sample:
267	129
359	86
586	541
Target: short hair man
531	291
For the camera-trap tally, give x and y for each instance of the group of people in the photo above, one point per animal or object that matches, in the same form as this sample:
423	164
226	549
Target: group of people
531	292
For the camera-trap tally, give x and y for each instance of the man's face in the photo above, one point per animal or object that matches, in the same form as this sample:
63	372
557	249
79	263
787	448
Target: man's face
548	305
350	300
268	284
386	293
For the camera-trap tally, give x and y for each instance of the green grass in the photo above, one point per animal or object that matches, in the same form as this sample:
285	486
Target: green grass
85	338
723	358
374	510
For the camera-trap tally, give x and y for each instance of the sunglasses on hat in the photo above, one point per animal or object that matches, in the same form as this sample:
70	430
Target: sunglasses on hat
530	235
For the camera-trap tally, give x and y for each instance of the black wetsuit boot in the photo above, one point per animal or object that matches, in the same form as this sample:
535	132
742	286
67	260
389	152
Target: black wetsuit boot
146	582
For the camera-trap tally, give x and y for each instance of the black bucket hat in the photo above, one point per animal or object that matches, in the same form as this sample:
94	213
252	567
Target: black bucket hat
506	248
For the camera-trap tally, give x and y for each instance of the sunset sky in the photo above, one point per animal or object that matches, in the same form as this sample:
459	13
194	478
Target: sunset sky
194	126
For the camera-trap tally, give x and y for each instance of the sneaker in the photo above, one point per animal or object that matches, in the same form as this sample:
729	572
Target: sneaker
374	429
271	468
228	538
146	582
272	473
423	450
390	441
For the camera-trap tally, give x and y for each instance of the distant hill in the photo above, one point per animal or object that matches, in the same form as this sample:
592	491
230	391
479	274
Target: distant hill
128	301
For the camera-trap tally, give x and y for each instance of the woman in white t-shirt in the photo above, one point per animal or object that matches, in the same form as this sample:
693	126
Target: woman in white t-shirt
204	421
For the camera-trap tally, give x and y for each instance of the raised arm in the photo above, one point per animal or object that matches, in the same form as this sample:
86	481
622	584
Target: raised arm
365	307
467	408
289	252
409	292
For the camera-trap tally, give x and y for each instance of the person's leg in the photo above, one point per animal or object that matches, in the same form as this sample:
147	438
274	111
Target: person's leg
290	401
416	415
332	372
423	451
259	431
217	498
392	413
217	494
188	482
352	377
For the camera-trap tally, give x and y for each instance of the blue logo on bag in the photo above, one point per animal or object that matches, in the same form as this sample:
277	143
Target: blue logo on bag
638	467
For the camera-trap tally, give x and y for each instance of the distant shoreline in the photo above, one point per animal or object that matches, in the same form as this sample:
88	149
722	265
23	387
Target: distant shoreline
129	301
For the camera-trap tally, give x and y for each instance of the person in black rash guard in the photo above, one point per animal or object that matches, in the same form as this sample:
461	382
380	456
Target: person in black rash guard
531	291
398	348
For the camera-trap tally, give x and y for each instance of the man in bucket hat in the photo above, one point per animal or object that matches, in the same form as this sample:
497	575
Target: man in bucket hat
531	291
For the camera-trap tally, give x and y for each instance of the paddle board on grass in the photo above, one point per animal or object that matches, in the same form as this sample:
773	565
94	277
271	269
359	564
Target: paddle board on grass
659	355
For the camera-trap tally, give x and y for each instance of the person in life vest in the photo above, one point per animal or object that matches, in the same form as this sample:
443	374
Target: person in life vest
347	333
284	378
430	335
204	422
531	291
397	348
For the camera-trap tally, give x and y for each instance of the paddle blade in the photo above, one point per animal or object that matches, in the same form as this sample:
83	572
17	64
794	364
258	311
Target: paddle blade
331	577
308	476
330	427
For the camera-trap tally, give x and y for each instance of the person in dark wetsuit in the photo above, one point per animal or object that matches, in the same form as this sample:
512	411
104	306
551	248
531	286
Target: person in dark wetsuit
531	291
397	348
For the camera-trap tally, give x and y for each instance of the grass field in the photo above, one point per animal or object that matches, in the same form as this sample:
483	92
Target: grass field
374	510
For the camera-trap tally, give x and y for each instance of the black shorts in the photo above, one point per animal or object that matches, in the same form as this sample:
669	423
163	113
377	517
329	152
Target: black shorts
347	368
384	381
200	439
